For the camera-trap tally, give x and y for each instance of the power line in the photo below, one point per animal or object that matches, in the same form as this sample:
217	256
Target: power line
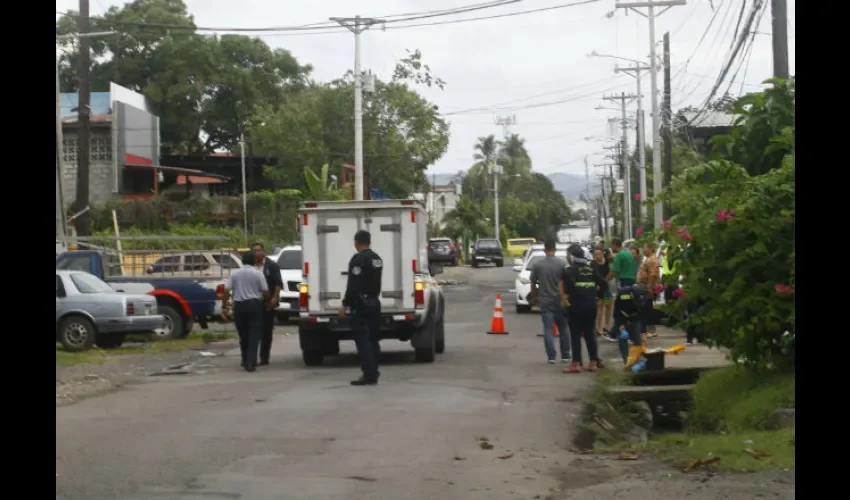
326	30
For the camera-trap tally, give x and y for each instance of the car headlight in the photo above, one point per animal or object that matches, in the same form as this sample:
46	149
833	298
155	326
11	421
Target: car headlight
524	281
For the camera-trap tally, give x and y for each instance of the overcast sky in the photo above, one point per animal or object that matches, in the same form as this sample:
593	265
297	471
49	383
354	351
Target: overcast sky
532	66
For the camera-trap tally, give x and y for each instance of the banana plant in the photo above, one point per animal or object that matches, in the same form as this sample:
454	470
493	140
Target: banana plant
320	186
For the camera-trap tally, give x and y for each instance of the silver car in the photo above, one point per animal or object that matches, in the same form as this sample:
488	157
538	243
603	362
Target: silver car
88	312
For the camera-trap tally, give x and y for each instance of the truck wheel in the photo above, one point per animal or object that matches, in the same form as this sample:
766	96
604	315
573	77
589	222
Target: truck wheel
282	317
428	349
440	335
313	358
500	263
454	262
474	263
110	341
174	325
76	334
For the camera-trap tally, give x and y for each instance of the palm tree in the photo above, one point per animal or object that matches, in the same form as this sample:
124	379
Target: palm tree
486	152
467	218
514	157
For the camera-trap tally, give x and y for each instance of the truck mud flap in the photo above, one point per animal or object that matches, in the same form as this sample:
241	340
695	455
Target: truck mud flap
424	337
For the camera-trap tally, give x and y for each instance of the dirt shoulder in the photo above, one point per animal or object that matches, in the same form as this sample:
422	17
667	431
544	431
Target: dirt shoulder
590	477
109	371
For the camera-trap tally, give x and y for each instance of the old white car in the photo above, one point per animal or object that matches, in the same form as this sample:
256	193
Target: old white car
89	312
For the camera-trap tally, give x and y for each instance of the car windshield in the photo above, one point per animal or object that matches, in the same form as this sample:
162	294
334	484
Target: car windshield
289	259
88	283
488	244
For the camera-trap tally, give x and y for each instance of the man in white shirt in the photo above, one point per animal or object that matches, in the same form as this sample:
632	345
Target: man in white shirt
250	292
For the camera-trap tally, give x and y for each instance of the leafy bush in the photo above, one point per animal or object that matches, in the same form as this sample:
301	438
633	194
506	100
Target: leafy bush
732	237
734	399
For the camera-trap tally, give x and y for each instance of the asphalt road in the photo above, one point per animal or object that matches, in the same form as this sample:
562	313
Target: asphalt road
291	432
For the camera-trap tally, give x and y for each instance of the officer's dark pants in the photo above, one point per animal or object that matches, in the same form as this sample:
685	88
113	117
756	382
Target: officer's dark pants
266	339
583	322
249	325
366	328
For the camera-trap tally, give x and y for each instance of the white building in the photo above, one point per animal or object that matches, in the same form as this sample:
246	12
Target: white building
439	201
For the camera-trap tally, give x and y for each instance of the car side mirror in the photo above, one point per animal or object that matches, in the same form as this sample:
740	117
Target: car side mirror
517	262
435	269
149	270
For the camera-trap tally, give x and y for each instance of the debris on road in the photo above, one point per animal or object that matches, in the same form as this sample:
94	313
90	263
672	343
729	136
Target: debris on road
757	453
702	462
505	457
627	455
181	369
209	354
458	458
485	445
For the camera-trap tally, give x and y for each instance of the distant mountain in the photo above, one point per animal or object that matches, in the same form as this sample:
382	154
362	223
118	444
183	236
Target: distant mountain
570	185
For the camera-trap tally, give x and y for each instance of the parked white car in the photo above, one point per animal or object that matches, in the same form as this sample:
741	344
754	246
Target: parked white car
522	286
291	274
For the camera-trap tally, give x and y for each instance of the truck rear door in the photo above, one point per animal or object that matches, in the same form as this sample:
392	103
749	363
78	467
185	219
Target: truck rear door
328	245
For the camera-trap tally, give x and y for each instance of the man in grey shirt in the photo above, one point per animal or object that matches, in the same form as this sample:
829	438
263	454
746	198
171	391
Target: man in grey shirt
250	293
546	292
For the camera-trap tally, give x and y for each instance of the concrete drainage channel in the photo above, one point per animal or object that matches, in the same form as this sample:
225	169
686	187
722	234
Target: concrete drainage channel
655	402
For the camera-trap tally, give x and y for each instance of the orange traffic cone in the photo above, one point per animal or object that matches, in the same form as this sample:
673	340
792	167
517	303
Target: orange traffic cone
554	329
497	326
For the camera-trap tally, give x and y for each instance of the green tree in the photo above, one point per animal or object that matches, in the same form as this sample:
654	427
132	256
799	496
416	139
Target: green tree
403	133
194	82
467	219
322	186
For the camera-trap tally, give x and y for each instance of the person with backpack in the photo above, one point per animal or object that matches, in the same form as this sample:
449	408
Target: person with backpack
579	287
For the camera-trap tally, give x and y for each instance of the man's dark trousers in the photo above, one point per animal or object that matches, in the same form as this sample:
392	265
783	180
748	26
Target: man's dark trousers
366	328
266	339
583	321
249	324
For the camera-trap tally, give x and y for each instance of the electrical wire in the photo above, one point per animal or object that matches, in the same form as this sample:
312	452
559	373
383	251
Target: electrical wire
746	35
315	30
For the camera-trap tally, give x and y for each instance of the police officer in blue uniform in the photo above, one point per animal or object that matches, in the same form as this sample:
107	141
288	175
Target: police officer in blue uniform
363	299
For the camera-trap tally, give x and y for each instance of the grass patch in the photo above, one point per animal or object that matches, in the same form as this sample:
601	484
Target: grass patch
97	356
734	400
778	446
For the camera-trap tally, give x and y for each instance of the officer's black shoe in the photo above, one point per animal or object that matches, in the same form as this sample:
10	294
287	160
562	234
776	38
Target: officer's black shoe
250	368
364	381
263	363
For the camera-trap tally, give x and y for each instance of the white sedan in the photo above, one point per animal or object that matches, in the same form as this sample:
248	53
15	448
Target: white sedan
522	286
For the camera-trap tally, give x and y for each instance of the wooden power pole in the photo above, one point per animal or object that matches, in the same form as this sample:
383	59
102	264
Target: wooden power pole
667	125
84	120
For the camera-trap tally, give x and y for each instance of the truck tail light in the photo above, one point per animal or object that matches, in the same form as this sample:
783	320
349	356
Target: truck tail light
130	309
306	269
413	265
419	294
303	295
219	292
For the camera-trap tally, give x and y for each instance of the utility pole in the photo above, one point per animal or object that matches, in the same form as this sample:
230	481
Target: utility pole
779	31
496	169
84	120
357	25
244	189
624	153
656	137
61	222
641	134
667	124
606	193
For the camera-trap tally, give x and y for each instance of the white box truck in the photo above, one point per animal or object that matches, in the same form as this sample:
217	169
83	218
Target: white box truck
412	303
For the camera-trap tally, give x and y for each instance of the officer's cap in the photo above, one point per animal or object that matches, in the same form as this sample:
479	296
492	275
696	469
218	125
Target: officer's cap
576	251
363	236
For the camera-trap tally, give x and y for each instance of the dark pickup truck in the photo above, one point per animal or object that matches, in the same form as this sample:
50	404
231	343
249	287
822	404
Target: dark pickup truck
442	251
487	251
